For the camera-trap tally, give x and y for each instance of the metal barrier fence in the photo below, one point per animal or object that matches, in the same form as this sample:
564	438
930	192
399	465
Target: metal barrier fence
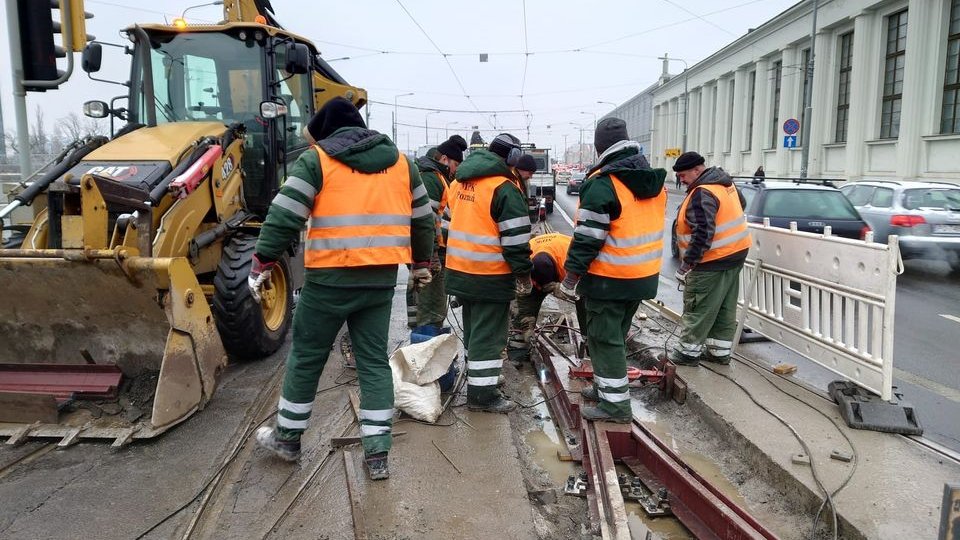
828	298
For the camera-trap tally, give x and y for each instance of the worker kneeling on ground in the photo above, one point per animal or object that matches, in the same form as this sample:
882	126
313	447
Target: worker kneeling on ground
617	246
488	262
548	254
436	170
369	213
714	240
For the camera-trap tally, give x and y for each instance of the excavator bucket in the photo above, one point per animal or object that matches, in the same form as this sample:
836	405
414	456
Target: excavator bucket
120	347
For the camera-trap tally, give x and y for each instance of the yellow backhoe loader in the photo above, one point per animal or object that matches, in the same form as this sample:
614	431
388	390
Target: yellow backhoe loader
121	304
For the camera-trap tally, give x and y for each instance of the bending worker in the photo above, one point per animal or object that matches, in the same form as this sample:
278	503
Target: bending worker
616	249
436	170
548	253
369	212
488	262
714	241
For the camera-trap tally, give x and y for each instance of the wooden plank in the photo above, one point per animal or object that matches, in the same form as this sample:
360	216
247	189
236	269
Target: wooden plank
355	402
27	408
359	530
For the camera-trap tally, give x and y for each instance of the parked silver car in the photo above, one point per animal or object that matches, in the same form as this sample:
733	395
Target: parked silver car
925	215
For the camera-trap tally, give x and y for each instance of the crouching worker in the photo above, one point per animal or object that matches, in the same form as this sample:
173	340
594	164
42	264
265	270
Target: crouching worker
369	213
548	255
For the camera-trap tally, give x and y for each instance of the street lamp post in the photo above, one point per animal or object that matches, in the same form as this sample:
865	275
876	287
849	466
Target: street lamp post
446	129
594	129
395	113
564	148
426	126
808	99
580	147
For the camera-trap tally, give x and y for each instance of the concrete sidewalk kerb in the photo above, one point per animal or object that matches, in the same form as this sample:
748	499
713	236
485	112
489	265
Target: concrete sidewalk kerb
896	489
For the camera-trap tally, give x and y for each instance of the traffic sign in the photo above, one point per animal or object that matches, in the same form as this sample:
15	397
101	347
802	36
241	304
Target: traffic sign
790	141
791	126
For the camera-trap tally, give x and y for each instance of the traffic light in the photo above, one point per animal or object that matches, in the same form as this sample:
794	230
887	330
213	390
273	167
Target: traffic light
38	48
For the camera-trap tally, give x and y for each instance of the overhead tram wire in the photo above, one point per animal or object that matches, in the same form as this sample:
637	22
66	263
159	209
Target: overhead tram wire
526	59
445	57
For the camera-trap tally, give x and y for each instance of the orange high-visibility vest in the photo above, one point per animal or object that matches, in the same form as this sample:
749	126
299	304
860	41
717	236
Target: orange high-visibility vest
473	240
731	234
634	246
360	219
556	246
444	189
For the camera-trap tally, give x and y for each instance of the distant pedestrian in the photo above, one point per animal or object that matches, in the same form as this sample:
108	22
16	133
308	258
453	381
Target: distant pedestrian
714	240
759	175
366	212
616	249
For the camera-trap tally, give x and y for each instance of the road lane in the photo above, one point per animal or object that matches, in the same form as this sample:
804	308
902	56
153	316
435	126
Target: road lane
926	340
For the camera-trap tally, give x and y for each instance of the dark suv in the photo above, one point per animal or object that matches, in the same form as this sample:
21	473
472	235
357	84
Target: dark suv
813	206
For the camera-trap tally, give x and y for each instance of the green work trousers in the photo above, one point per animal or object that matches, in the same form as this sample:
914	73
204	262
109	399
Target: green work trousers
709	312
484	337
432	302
320	314
608	325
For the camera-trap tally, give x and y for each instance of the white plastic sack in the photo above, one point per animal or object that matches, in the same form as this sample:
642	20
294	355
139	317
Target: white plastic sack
415	370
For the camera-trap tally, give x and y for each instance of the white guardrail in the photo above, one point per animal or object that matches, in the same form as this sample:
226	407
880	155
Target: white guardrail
828	298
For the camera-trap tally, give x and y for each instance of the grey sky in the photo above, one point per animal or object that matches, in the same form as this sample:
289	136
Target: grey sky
580	52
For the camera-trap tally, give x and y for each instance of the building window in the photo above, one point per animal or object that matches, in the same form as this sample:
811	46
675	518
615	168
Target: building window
950	119
775	128
752	93
893	75
731	97
843	87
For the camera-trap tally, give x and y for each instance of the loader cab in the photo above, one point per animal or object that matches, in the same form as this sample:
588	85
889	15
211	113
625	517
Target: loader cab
222	74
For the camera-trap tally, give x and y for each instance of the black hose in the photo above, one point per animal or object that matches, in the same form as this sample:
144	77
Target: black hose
26	196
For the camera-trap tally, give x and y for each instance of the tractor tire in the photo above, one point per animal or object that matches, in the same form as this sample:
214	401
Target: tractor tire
250	330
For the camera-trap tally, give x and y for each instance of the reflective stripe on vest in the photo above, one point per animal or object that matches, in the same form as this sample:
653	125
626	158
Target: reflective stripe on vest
731	233
555	245
634	246
473	238
360	219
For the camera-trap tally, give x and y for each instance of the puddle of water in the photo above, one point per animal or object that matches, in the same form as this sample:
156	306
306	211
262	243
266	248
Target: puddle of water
705	466
546	441
642	413
645	528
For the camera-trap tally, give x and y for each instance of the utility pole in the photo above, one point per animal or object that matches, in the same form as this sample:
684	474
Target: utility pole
808	99
426	126
3	138
395	116
686	89
564	148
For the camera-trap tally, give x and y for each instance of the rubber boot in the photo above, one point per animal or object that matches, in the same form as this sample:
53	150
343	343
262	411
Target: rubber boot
499	404
590	393
679	359
377	466
599	415
722	360
286	450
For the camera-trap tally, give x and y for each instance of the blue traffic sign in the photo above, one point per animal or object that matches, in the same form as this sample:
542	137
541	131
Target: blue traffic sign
791	126
790	141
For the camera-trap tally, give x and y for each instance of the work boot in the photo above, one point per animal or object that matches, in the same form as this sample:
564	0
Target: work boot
679	358
498	404
285	450
590	393
599	415
722	360
377	467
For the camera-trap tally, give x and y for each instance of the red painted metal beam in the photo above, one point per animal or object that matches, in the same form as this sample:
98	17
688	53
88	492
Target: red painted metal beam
63	381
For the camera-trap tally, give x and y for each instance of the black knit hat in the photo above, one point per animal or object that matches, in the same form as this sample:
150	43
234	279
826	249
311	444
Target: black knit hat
453	148
335	114
609	132
687	161
503	143
527	163
544	270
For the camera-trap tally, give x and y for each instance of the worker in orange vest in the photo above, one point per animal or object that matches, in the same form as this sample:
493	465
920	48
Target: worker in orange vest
548	253
714	240
368	213
488	262
614	259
